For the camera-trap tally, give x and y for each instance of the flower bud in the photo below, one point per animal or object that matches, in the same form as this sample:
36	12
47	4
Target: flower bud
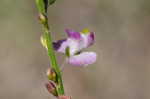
51	87
42	18
43	42
51	74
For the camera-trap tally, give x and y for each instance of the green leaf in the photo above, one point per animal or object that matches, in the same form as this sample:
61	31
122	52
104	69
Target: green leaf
41	6
50	2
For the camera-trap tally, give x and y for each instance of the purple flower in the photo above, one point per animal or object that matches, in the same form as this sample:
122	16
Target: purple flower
73	46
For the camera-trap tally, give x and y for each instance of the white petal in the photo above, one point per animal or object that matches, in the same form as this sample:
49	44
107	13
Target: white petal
74	46
61	45
87	40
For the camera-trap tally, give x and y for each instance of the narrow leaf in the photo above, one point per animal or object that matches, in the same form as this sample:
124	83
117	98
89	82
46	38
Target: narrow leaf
41	6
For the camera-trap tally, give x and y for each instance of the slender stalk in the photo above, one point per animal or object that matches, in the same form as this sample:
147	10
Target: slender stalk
42	6
51	54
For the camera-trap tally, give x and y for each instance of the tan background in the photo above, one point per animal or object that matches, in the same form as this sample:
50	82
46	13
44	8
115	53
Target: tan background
122	43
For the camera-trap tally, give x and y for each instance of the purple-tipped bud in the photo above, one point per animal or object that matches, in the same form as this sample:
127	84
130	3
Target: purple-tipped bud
51	87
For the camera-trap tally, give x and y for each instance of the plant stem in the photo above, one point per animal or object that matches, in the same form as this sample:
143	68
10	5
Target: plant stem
51	54
42	6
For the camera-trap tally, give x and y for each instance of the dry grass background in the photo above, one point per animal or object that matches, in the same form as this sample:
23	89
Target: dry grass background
122	43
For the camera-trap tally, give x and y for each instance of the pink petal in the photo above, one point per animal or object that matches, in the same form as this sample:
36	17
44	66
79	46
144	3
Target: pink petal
82	59
72	34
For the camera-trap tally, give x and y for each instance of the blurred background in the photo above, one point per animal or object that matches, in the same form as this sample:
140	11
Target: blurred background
122	30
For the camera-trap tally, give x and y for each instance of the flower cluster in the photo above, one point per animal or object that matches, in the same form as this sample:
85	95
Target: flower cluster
73	46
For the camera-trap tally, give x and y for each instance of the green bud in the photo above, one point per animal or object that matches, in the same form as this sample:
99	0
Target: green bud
51	74
43	41
42	18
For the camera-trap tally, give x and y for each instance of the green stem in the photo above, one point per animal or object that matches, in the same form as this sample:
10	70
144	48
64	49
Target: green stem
51	54
42	6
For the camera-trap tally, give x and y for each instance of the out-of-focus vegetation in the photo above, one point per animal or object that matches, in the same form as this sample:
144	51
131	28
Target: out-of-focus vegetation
122	43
